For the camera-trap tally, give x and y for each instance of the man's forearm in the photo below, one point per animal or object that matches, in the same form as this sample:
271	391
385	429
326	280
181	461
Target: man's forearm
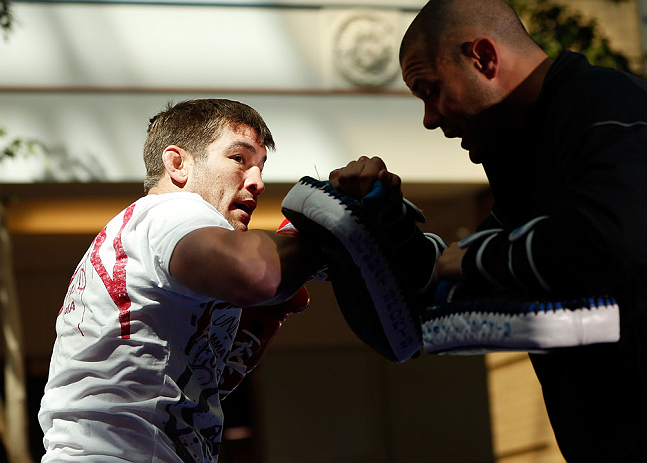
299	261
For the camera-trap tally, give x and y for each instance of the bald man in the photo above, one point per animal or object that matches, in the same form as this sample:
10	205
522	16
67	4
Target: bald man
564	146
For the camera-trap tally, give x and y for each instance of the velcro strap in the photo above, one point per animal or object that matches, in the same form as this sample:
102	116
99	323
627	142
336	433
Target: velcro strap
500	259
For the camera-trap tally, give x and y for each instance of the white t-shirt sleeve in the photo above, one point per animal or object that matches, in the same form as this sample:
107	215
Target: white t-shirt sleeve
164	224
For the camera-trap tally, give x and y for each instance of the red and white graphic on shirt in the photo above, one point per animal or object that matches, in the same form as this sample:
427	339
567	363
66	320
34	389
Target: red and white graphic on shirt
116	285
76	288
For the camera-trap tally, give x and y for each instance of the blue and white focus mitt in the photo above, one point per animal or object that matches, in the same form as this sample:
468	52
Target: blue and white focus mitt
380	264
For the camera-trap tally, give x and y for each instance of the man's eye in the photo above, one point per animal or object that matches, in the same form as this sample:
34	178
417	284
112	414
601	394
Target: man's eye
238	158
429	92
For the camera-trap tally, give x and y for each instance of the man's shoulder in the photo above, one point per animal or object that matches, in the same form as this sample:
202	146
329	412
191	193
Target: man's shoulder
597	84
608	83
580	95
151	200
174	204
176	209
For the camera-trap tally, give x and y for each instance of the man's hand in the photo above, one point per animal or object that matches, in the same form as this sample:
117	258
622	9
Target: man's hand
357	178
449	262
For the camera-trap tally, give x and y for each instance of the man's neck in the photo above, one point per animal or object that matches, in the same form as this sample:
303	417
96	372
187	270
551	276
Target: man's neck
527	92
166	185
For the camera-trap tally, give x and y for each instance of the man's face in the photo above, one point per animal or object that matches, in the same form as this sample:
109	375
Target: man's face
454	95
230	177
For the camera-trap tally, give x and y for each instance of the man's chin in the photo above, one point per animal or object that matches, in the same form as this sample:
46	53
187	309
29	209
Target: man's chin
471	151
475	157
239	219
476	154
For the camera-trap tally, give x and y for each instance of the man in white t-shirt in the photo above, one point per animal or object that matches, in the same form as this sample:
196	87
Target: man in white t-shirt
153	307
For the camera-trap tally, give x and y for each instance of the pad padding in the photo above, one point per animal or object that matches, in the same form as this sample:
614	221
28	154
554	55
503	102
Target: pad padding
468	321
362	266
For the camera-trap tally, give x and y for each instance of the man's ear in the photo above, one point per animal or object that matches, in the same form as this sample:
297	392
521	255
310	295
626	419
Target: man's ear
177	162
485	55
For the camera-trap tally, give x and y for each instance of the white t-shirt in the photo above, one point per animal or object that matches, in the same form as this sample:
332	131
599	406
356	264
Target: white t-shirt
138	356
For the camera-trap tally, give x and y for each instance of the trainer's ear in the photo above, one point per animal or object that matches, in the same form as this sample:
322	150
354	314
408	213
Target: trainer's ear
483	51
176	162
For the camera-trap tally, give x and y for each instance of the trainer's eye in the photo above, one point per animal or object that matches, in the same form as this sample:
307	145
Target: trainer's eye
239	159
432	91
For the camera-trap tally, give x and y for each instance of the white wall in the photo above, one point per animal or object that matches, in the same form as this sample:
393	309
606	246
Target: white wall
84	78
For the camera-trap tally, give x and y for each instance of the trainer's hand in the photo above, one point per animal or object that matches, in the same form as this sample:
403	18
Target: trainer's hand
449	262
357	178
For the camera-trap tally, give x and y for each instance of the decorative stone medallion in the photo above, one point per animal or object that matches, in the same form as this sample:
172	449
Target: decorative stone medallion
365	49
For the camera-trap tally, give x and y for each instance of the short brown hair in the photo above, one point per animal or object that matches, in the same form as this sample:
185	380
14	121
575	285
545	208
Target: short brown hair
193	125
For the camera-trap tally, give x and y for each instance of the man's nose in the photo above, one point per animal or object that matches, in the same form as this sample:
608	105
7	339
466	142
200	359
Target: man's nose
254	181
432	118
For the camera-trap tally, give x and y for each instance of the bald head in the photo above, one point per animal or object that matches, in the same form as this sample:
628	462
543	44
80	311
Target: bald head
442	22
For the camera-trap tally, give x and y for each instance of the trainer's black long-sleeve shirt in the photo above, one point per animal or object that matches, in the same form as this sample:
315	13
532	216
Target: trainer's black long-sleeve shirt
575	175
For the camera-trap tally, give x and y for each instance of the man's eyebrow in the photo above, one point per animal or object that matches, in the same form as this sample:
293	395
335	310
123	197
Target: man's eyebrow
246	145
242	144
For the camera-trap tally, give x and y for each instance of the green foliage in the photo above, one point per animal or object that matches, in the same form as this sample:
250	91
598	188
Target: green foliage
19	147
6	18
556	28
